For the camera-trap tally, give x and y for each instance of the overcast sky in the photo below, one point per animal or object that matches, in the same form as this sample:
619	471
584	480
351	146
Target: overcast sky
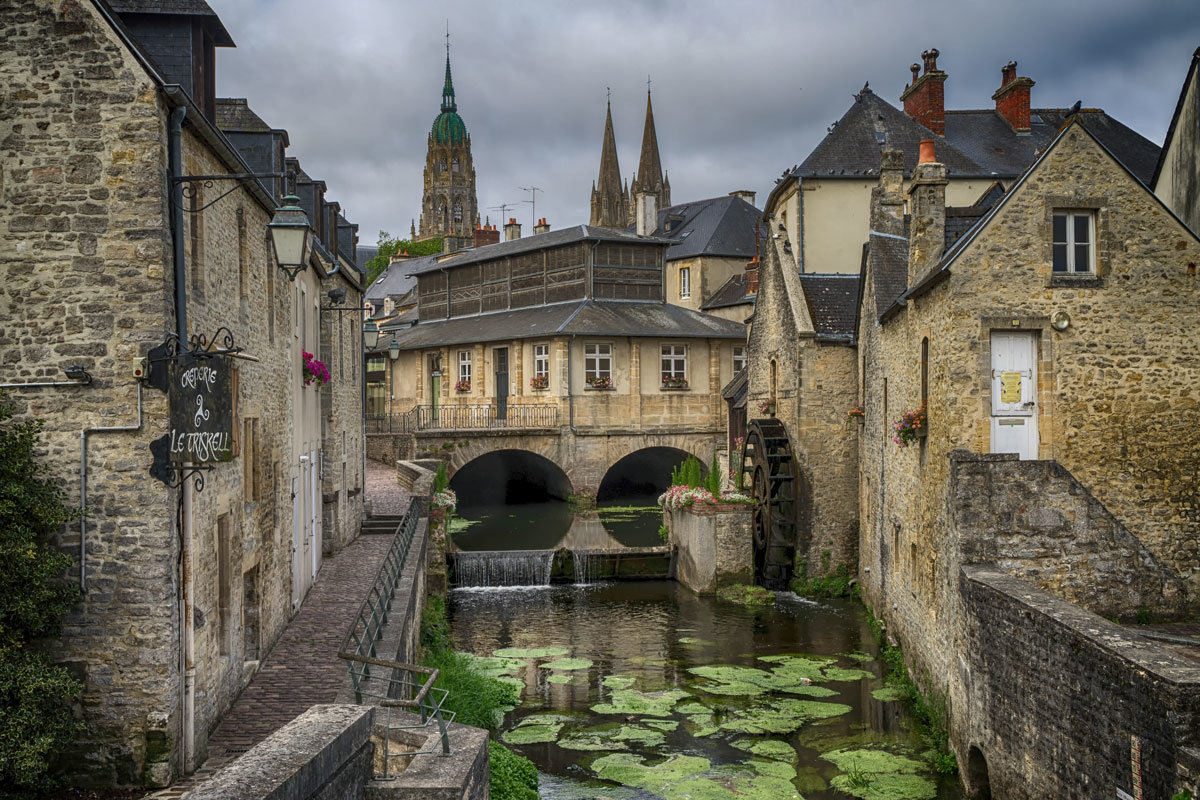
741	90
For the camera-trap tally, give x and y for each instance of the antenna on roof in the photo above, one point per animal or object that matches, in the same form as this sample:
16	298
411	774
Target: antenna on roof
533	190
503	209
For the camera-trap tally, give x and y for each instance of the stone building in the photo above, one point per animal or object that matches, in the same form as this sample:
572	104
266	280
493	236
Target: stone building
821	207
617	206
1056	330
565	330
1176	176
449	207
186	588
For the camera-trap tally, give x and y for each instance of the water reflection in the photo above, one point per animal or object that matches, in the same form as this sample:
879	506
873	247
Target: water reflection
552	524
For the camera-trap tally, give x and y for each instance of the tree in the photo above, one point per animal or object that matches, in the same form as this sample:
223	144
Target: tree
390	246
36	697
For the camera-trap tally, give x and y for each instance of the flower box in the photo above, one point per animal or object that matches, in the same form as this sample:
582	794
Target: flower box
670	382
462	387
911	426
767	407
604	384
314	369
539	383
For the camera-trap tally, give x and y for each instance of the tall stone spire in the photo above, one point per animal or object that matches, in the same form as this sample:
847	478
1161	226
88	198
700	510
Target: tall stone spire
649	176
610	204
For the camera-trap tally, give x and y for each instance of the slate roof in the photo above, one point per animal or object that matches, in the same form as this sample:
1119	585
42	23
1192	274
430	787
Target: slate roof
365	253
718	226
582	318
832	304
889	264
234	114
731	293
539	241
187	8
738	389
977	142
398	278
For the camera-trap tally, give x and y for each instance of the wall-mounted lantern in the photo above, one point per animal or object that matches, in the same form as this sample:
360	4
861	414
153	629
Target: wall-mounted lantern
370	335
394	350
291	237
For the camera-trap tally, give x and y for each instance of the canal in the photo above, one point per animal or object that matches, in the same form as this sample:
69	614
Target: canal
645	690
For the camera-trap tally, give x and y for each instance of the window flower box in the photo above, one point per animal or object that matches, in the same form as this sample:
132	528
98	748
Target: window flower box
674	382
314	370
911	426
462	387
539	382
857	414
767	407
603	383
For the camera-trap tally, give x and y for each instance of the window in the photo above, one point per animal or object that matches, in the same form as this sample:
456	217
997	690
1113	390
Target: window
454	164
442	165
597	365
685	282
457	212
464	366
924	372
674	365
541	362
1073	237
739	358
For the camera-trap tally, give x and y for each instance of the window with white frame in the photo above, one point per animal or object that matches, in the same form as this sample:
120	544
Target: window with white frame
739	358
674	365
597	365
1074	240
685	282
464	366
541	361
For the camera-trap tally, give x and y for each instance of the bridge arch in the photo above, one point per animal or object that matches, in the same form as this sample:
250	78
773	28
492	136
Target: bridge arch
642	472
509	475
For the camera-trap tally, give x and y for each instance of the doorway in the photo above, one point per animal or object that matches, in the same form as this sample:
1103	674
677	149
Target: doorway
1014	393
500	359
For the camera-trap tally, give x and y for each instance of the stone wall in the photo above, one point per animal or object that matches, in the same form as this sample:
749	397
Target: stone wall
1178	183
715	545
1056	696
1034	520
341	416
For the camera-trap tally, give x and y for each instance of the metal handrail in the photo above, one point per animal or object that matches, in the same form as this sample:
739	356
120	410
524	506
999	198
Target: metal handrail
466	417
403	687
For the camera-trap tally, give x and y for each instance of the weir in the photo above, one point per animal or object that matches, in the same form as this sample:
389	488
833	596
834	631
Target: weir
493	568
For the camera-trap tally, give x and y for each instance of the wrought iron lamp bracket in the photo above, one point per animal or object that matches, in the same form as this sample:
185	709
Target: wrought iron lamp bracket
193	183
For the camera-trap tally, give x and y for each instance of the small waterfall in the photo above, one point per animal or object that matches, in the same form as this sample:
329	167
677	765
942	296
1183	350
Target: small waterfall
502	567
587	565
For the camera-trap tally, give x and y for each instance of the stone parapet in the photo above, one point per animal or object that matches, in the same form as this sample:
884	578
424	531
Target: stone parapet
714	544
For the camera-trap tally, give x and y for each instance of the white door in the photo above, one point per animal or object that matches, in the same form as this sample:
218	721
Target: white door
1014	394
314	511
297	527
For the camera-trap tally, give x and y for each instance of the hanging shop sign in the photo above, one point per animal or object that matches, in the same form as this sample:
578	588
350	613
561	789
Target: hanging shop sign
200	390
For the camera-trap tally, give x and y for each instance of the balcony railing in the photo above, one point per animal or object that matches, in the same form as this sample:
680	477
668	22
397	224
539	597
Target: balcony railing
466	417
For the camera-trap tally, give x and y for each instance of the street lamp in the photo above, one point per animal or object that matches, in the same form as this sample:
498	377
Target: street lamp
370	335
291	237
394	350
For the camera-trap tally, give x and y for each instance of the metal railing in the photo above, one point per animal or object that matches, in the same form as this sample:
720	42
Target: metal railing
466	417
401	686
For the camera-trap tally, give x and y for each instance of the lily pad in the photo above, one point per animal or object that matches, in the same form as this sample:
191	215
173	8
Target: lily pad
534	732
692	708
662	724
749	681
608	738
887	694
530	652
872	786
781	716
774	769
565	664
691	778
617	681
631	701
768	748
860	657
843	674
556	678
877	761
495	667
798	665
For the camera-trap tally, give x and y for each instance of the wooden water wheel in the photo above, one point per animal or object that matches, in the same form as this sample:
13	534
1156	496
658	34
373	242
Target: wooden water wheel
767	461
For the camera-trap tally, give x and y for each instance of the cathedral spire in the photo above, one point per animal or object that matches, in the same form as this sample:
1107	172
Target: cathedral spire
448	103
609	203
649	176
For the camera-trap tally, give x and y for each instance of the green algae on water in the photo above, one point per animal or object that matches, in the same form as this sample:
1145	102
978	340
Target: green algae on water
566	664
631	701
781	716
768	748
860	657
748	681
530	652
879	775
754	596
535	729
682	777
887	694
871	761
494	667
559	678
843	674
617	681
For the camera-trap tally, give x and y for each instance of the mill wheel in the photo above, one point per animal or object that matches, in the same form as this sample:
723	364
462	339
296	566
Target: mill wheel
767	457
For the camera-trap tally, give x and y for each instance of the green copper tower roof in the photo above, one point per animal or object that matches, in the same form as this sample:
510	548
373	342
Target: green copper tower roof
448	128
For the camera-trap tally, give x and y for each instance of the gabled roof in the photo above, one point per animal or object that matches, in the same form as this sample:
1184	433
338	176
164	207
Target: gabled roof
1187	81
832	305
718	226
731	293
579	318
398	278
183	8
978	142
540	241
738	388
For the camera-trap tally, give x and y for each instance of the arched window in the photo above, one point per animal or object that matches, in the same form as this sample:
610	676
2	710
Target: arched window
774	379
442	165
458	212
442	213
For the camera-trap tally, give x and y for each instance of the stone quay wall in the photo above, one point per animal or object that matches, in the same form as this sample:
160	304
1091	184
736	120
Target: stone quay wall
715	545
1062	703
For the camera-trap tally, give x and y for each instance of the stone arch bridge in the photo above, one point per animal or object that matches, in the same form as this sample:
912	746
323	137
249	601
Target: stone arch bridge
585	455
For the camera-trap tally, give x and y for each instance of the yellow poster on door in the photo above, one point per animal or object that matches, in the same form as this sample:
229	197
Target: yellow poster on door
1010	387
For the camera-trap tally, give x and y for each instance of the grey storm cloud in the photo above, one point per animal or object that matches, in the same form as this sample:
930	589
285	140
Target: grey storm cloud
741	90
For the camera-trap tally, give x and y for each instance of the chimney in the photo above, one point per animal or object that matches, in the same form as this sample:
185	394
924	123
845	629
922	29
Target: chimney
927	202
647	213
512	230
1012	98
399	256
744	194
542	226
752	266
924	98
486	235
887	197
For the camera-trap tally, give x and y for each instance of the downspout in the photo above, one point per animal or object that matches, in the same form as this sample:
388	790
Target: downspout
186	577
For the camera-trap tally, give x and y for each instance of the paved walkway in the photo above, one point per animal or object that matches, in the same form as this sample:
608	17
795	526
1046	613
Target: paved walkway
303	668
382	492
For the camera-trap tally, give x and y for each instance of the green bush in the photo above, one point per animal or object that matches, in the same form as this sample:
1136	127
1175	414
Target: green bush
435	628
713	481
514	777
441	480
36	697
